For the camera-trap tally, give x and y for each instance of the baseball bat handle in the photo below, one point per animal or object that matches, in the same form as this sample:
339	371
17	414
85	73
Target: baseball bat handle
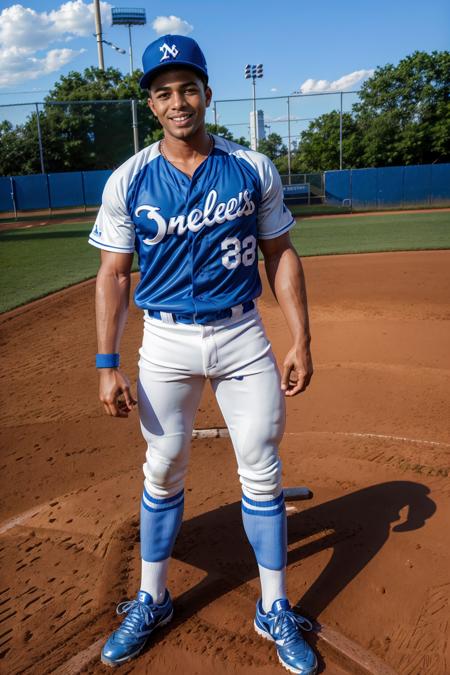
295	494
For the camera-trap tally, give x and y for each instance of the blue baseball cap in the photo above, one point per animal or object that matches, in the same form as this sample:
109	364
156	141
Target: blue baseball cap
172	50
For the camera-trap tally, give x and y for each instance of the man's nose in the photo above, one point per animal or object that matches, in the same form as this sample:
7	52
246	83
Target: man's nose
177	100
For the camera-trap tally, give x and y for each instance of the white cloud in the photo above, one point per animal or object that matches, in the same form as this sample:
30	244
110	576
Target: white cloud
349	81
26	35
274	89
78	18
171	25
281	118
18	65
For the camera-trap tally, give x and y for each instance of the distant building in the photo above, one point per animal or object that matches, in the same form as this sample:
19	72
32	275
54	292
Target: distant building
260	130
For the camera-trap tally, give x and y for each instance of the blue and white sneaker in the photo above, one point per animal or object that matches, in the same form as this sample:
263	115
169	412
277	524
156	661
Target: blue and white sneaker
282	625
143	617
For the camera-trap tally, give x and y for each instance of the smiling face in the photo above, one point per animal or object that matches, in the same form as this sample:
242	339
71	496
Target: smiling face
179	98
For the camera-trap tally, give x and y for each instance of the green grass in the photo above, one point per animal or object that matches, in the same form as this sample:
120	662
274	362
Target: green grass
366	234
37	261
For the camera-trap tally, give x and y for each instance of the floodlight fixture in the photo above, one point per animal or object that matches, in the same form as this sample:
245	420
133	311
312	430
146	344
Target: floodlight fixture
112	45
253	71
128	16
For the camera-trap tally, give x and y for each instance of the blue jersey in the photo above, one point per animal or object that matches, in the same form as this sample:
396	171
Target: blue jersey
196	238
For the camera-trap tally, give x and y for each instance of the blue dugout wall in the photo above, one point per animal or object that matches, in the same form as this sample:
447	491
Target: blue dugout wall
389	187
52	191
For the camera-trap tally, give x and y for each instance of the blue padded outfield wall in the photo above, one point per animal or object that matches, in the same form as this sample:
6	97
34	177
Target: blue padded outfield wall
52	190
389	187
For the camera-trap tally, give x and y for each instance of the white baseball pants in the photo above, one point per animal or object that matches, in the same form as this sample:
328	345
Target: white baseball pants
235	354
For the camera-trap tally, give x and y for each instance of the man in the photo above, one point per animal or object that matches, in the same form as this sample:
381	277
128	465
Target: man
195	208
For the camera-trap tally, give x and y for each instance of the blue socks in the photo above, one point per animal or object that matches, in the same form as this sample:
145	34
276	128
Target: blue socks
160	523
265	525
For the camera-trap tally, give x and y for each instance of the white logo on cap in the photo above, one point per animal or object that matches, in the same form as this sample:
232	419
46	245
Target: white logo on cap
168	51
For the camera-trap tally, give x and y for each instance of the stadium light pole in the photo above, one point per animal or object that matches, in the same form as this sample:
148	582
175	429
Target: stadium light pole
126	16
289	138
98	34
252	72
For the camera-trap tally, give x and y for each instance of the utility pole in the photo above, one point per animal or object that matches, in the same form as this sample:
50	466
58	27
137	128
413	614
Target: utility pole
98	34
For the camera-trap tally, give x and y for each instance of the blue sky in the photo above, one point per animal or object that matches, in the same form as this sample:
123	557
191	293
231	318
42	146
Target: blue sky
309	46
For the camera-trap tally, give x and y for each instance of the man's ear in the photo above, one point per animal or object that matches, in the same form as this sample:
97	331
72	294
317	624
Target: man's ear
151	104
208	96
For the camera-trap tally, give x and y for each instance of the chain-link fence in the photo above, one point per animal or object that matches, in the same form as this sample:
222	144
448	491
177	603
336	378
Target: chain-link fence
72	135
91	135
286	116
74	145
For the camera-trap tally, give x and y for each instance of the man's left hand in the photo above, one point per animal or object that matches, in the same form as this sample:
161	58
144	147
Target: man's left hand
297	370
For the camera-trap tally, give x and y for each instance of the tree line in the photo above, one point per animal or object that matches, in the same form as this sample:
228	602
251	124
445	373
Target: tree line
402	117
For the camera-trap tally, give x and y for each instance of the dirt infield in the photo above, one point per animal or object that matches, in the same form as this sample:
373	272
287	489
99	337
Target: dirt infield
368	556
31	219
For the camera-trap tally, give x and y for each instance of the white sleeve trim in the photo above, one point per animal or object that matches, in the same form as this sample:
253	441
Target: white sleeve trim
273	217
109	247
114	229
277	233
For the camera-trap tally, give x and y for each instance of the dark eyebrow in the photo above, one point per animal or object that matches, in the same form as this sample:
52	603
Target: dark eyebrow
167	87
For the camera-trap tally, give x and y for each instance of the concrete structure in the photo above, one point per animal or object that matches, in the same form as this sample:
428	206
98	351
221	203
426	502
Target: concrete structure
260	130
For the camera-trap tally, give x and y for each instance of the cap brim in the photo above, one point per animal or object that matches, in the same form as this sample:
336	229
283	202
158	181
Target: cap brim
146	79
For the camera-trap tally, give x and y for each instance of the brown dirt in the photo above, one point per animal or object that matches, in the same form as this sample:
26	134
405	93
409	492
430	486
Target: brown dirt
29	219
368	555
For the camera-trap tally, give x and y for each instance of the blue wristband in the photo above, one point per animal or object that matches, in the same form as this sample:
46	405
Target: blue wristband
107	360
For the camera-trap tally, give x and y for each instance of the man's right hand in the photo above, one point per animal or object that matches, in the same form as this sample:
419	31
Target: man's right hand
114	392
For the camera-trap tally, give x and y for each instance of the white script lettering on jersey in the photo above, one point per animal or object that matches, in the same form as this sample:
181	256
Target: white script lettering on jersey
168	51
212	213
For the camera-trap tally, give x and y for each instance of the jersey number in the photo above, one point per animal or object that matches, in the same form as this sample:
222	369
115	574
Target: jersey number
237	253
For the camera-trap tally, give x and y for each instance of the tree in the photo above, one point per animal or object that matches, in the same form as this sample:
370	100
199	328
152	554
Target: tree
318	148
14	146
404	112
86	123
403	117
78	133
82	136
272	146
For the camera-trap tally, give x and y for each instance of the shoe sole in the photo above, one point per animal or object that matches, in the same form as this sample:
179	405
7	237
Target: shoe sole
130	657
267	636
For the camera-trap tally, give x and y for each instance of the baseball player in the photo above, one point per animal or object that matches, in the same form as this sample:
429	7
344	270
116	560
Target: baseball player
195	208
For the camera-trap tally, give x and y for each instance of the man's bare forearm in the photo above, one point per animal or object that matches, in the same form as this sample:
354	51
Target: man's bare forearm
287	280
112	295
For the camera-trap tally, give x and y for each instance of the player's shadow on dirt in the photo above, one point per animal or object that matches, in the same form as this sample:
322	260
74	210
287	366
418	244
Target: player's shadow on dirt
355	526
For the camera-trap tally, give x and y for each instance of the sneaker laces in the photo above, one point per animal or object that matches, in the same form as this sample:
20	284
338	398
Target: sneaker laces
286	625
138	612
